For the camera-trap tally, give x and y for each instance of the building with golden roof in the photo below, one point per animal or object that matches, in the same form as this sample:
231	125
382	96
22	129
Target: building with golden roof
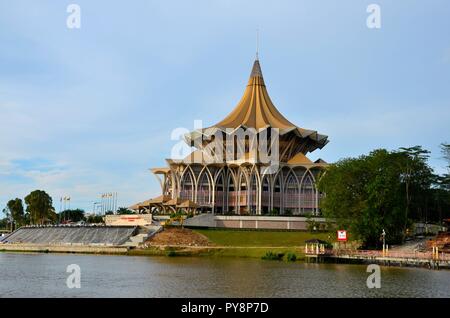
239	182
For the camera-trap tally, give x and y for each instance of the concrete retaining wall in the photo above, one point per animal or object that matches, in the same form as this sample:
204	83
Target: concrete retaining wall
251	222
63	248
128	220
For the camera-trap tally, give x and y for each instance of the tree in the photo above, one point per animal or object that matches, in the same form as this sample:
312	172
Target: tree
445	148
16	209
179	217
94	219
416	174
40	207
441	191
124	211
367	194
8	218
4	224
444	180
75	215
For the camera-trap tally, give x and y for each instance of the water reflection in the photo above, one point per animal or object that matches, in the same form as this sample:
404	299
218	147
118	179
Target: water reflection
44	275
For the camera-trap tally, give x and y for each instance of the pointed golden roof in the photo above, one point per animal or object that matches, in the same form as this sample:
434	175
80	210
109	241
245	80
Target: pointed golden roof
299	159
255	108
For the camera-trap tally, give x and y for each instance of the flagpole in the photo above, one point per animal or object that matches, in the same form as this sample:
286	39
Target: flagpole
116	202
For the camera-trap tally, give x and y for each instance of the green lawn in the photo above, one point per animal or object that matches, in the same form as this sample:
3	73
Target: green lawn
246	252
258	252
262	238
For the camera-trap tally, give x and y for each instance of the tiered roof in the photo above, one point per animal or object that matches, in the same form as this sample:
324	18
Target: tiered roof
256	110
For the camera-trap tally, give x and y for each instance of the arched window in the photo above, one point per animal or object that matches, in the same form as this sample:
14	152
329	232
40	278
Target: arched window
219	194
187	187
204	190
253	194
232	193
243	194
277	195
291	195
265	195
308	195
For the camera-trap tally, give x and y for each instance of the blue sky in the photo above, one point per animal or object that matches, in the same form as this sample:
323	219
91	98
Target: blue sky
90	110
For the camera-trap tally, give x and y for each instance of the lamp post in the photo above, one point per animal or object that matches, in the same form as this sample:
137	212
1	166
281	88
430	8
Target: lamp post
383	235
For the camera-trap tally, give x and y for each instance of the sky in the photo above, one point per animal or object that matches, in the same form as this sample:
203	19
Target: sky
87	111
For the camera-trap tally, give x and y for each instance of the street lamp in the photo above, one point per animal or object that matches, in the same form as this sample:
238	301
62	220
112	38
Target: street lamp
383	235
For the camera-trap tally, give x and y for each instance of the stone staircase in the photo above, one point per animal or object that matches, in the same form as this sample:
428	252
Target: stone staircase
145	232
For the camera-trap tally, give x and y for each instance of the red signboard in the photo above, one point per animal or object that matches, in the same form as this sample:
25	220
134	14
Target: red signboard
342	235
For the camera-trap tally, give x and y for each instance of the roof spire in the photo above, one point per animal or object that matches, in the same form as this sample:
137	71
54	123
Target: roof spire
257	43
256	70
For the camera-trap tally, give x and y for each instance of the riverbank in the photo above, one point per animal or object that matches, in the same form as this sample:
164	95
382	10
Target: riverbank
218	251
76	249
228	243
198	242
213	243
162	250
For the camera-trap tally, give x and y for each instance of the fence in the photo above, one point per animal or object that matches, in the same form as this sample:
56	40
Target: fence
391	254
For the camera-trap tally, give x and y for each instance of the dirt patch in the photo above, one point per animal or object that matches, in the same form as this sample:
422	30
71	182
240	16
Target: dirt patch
178	236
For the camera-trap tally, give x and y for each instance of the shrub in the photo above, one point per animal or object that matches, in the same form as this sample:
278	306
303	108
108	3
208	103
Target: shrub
291	257
274	212
273	256
171	252
313	226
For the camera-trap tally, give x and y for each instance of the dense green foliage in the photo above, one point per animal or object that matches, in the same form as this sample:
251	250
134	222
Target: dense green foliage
272	256
40	207
4	224
444	180
75	215
92	219
16	210
291	257
40	211
124	211
383	190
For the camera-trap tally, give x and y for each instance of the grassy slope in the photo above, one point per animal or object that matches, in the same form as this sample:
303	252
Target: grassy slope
262	238
249	252
236	243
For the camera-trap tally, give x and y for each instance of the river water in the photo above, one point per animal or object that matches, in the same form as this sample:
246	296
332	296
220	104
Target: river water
44	275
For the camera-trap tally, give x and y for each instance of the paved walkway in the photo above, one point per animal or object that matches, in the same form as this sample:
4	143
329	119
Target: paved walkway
411	246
